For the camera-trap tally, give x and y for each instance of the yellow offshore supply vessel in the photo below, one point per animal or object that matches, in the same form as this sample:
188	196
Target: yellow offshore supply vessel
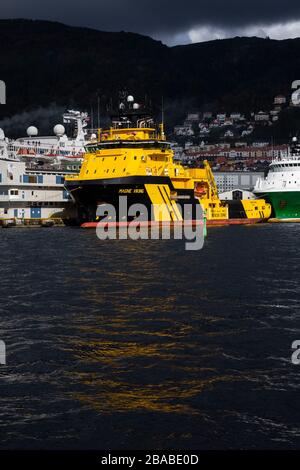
134	159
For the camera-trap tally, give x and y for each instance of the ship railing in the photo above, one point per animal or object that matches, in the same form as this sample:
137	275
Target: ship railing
286	158
29	146
53	168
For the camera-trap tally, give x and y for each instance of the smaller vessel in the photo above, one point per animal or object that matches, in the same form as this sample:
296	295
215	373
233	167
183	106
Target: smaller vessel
32	171
281	186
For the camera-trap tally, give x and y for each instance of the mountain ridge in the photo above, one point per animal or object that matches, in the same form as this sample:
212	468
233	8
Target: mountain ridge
45	63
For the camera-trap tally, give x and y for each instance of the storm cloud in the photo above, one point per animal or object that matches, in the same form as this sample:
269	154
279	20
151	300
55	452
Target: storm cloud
175	21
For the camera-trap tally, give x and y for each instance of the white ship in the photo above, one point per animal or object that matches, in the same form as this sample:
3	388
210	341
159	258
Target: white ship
281	186
52	150
32	171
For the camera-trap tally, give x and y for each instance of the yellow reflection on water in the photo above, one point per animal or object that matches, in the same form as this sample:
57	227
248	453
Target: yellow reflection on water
136	344
121	384
169	396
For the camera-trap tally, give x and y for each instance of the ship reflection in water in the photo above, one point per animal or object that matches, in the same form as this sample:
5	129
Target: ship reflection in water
115	393
124	344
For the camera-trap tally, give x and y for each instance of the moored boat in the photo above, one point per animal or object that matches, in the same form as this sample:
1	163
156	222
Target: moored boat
134	159
281	186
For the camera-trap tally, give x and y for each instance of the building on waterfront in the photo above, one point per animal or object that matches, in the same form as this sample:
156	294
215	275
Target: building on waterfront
262	116
207	115
236	116
280	100
257	151
193	117
221	118
185	130
233	180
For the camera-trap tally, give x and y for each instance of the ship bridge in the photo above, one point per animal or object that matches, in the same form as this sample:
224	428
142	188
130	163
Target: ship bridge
131	121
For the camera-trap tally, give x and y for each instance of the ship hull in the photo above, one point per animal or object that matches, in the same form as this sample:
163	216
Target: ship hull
208	223
90	194
285	204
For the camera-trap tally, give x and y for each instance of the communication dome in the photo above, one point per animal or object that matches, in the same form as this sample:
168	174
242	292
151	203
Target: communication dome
295	139
2	135
59	130
32	131
136	106
130	99
93	136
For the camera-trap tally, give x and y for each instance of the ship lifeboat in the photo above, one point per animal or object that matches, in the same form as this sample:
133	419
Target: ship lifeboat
26	152
201	189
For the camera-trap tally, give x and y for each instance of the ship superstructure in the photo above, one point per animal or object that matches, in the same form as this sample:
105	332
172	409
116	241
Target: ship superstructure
281	186
133	158
55	149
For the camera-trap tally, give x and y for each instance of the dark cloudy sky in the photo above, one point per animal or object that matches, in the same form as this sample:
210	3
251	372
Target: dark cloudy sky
172	21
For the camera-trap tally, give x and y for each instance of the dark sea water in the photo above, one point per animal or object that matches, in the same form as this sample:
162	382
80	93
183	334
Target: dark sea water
141	344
